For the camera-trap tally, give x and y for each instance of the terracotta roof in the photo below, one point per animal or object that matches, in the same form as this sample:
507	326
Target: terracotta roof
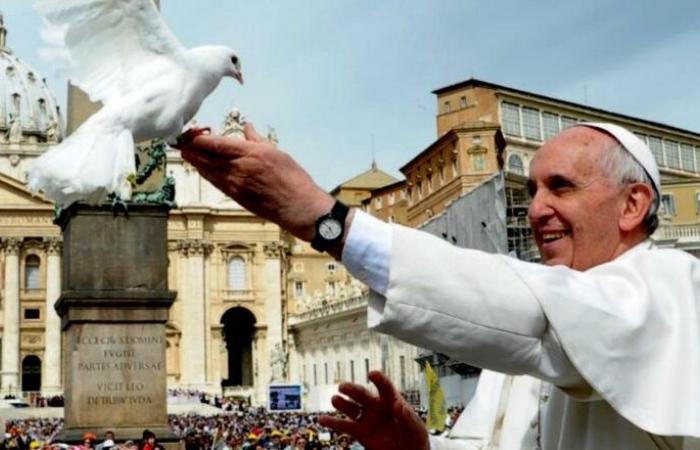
371	179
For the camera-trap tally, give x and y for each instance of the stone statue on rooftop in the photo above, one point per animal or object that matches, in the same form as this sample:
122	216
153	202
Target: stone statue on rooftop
272	135
14	132
52	131
234	123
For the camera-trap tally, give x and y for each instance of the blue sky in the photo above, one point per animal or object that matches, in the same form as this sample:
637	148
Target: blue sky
337	78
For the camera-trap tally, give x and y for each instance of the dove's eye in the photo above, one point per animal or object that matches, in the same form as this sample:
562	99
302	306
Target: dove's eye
234	60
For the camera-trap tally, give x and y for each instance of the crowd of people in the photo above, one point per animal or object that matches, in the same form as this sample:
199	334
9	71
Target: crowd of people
252	428
241	427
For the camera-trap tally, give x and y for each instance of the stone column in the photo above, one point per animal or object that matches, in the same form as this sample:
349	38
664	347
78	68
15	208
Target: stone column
192	296
10	337
273	312
51	382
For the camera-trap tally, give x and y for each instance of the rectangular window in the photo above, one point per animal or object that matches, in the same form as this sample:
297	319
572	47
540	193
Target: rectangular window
366	369
550	124
303	373
237	274
511	118
668	205
392	199
697	202
463	101
378	203
697	159
338	373
330	288
298	289
687	157
531	124
657	148
402	368
447	107
568	122
352	371
671	151
31	313
325	372
315	376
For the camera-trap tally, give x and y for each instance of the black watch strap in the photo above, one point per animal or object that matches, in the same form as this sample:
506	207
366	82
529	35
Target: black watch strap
339	212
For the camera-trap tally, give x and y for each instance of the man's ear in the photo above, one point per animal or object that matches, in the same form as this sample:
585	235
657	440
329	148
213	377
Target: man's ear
637	202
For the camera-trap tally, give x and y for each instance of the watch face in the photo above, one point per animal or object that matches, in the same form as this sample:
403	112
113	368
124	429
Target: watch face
329	229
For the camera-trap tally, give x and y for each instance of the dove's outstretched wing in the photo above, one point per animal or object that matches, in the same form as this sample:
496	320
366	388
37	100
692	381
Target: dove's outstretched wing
114	45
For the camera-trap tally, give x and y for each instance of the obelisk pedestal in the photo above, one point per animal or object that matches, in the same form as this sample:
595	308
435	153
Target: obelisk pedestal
113	306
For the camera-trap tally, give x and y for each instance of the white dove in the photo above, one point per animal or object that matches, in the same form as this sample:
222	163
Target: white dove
123	55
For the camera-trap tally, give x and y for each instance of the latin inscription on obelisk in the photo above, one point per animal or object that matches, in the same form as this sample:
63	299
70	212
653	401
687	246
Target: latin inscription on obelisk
117	370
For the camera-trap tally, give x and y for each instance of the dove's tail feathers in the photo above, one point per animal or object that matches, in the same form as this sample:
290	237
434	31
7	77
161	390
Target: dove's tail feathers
87	166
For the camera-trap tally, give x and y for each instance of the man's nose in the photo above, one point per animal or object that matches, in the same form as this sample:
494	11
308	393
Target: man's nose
539	207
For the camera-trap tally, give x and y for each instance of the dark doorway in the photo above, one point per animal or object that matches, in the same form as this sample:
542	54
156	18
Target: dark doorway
31	373
239	328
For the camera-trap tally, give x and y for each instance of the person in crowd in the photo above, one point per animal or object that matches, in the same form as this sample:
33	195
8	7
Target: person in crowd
108	441
149	442
89	439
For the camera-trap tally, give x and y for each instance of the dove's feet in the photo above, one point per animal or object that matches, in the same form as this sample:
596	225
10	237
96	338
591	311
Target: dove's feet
189	135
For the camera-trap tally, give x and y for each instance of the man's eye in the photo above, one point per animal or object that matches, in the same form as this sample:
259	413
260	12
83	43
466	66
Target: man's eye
560	185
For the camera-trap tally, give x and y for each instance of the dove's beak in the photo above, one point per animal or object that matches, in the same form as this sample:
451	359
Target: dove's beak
238	76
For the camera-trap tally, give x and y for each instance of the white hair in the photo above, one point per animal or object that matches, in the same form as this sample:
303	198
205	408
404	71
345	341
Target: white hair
622	169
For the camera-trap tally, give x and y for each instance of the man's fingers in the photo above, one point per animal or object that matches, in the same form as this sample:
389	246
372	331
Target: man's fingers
251	134
345	406
206	162
341	425
218	145
358	394
387	391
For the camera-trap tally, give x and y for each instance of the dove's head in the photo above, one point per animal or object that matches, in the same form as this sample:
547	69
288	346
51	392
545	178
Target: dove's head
219	59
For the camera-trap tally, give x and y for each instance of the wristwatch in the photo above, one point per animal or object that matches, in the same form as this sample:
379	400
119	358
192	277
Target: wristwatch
330	227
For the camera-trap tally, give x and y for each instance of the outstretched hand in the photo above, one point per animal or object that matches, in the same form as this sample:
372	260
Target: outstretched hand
383	422
261	178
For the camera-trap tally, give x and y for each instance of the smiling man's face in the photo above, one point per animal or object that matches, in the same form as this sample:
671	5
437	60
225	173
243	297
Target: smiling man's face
576	209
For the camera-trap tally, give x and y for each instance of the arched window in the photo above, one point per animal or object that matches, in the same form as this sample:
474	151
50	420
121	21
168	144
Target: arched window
236	274
32	279
515	164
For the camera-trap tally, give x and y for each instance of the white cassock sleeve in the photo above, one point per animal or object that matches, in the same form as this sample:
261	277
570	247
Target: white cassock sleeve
463	303
627	328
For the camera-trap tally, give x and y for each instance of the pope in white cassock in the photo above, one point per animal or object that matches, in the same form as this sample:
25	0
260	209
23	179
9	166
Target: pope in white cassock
609	323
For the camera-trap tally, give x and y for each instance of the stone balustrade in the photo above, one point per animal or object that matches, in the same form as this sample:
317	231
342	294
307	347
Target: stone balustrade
686	232
329	308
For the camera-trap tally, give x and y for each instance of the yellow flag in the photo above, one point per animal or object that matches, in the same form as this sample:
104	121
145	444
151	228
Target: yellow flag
437	413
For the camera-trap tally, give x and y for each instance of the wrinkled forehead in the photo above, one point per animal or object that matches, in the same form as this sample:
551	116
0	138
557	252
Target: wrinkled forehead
573	150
